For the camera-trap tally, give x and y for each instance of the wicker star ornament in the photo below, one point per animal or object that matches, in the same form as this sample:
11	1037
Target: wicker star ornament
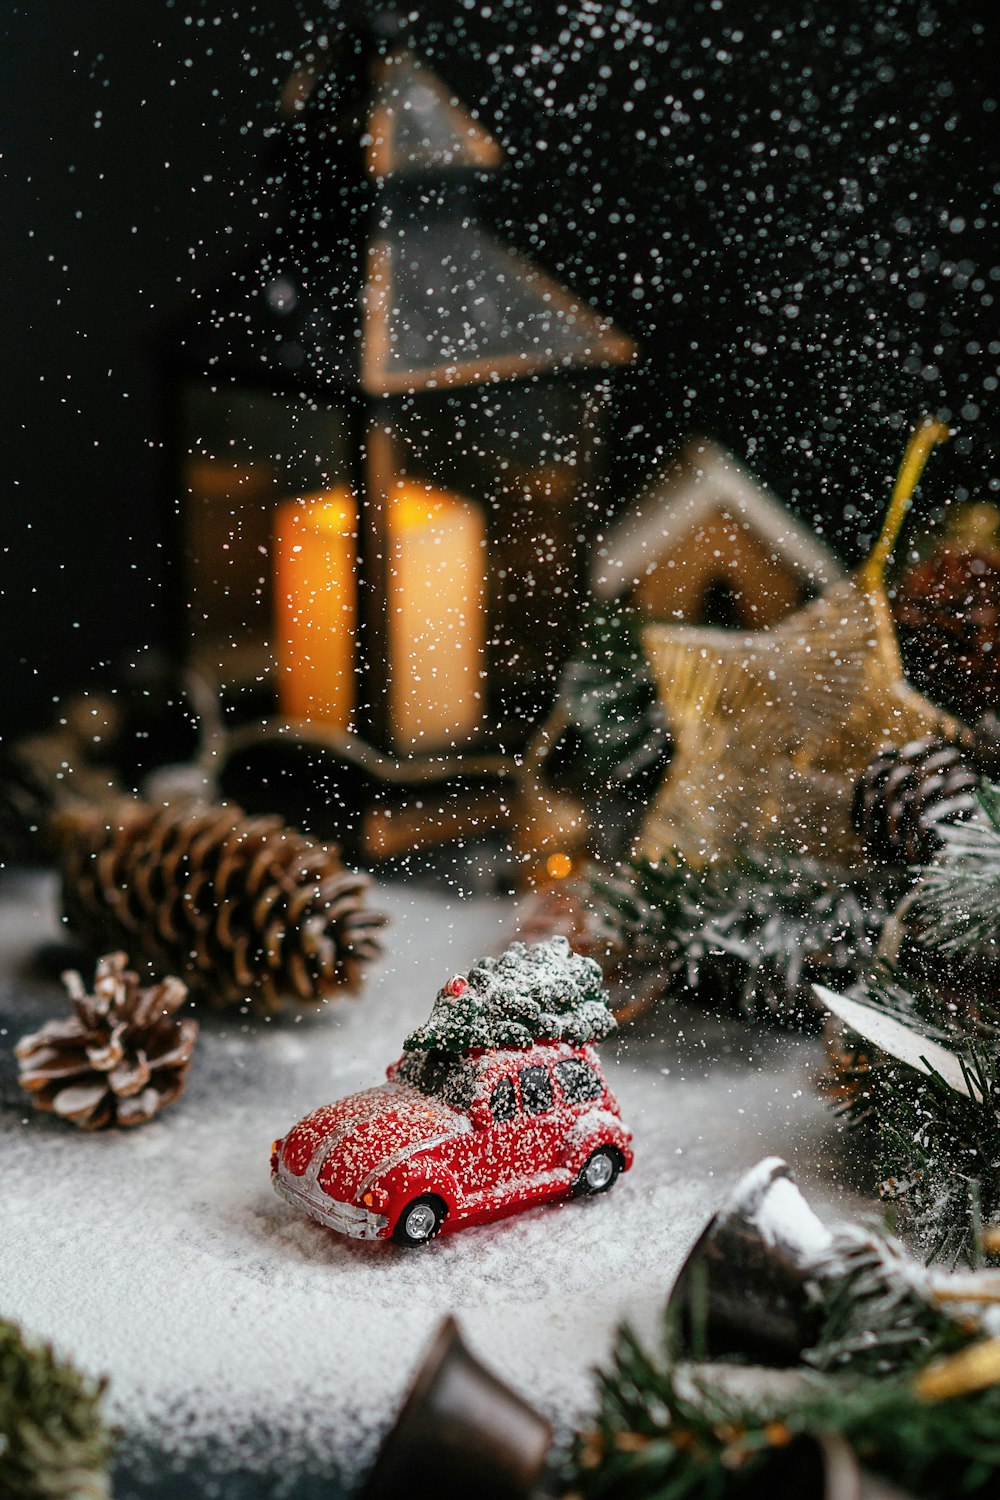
773	727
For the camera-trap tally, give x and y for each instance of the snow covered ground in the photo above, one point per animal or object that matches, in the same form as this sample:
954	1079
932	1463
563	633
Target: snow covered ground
164	1258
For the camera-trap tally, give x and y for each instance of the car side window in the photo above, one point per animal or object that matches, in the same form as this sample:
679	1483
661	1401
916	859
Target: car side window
578	1082
536	1090
503	1101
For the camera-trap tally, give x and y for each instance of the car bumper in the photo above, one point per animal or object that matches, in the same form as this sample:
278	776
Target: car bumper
345	1218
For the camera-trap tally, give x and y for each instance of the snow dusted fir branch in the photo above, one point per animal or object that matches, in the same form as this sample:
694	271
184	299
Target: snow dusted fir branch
878	1309
750	935
54	1444
932	1133
958	896
666	1431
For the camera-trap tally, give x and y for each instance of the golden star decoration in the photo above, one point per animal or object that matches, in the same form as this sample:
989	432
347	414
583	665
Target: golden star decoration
773	727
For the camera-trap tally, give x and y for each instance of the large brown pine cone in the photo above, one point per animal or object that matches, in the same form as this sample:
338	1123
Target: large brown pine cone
905	795
947	613
121	1058
247	910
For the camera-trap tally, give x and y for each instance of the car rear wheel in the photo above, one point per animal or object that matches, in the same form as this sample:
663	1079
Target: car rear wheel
420	1221
599	1172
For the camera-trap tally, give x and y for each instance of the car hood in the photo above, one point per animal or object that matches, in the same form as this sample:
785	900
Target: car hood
349	1140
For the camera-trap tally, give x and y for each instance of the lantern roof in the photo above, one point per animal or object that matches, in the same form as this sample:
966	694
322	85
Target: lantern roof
447	303
384	279
417	124
412	120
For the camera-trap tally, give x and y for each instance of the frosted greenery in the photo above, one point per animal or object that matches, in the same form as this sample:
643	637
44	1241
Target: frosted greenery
616	731
53	1442
958	898
531	992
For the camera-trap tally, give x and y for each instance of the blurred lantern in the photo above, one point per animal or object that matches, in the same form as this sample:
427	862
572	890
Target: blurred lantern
461	1432
388	424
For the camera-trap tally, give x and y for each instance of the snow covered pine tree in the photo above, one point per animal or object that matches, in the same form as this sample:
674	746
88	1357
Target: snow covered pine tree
533	992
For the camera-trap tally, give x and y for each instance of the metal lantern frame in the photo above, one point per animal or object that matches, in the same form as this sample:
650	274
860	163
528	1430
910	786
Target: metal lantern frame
380	295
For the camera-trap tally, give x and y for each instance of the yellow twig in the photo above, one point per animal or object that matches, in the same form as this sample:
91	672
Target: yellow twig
923	438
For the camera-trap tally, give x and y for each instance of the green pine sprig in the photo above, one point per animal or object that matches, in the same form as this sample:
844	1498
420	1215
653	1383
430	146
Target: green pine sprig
54	1444
669	1431
877	1312
957	900
935	1152
750	935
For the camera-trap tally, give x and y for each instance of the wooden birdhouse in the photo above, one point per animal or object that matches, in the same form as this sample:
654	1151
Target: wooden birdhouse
706	544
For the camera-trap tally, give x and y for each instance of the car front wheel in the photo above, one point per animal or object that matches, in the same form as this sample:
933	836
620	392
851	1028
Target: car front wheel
599	1172
420	1221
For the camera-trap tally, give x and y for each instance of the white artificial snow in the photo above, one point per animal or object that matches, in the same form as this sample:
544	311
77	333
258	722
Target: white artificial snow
164	1258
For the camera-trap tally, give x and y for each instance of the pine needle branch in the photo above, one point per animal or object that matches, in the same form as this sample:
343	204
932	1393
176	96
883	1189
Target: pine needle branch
751	934
670	1431
878	1314
54	1444
935	1152
958	897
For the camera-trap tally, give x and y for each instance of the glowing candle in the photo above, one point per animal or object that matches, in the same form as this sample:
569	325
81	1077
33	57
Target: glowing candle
315	601
435	610
437	618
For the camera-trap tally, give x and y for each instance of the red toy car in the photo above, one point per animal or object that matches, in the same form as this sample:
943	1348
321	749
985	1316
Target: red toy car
483	1135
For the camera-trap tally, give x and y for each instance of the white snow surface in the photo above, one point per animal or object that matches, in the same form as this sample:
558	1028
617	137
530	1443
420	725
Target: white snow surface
163	1257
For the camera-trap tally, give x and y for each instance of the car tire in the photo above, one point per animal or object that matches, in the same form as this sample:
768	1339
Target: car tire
599	1172
419	1221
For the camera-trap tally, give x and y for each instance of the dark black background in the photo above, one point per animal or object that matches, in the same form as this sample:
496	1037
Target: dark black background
792	208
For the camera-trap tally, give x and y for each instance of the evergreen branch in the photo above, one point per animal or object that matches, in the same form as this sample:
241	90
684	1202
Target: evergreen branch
754	932
878	1314
907	993
54	1444
673	1432
958	896
935	1152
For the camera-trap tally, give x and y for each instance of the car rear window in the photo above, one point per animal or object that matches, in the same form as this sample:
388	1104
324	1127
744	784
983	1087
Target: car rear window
503	1100
578	1082
536	1090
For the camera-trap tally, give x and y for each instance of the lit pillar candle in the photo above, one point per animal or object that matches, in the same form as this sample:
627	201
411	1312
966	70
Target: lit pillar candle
315	603
435	608
437	618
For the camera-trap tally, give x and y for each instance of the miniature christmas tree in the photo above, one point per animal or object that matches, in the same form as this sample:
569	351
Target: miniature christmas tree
531	992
